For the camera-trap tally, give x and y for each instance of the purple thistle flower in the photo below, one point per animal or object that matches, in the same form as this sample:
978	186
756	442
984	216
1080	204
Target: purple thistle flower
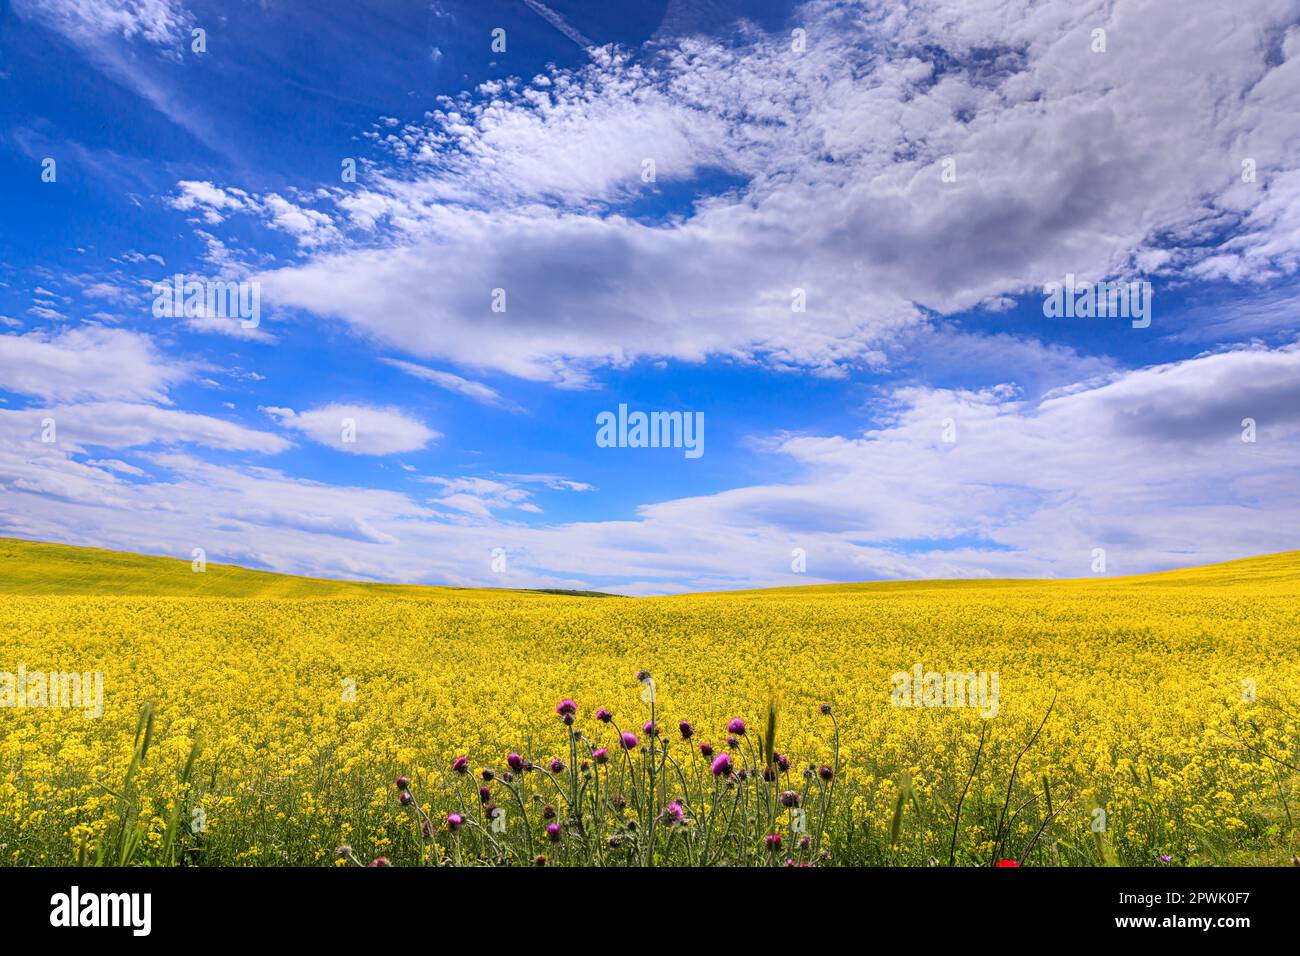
733	742
454	821
651	729
484	794
566	708
604	715
789	798
706	750
460	765
628	740
825	710
600	755
773	841
721	766
782	762
515	762
826	773
557	765
379	861
403	783
736	725
673	813
554	833
687	730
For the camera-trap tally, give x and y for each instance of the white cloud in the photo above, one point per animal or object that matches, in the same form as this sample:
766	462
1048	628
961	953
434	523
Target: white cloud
157	21
131	425
1149	465
481	497
87	363
373	430
1066	161
115	464
455	383
213	204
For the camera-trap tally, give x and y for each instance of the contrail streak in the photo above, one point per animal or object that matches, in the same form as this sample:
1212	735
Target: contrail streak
557	21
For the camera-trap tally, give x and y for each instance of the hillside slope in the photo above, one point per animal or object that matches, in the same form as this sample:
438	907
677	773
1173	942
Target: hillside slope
38	568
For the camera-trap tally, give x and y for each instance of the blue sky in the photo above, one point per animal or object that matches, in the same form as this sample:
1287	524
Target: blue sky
920	176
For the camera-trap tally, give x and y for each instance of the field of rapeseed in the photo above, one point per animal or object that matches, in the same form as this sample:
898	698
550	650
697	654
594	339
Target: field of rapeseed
1145	721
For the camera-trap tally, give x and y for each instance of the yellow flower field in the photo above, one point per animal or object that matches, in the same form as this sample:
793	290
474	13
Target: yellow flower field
1173	732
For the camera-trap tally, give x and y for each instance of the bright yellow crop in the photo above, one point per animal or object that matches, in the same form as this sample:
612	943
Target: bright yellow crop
1164	716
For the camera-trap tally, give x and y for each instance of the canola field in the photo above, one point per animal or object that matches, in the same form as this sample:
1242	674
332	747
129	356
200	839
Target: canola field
280	711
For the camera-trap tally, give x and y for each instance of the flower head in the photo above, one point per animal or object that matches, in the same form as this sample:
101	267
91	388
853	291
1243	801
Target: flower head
773	841
1006	863
706	750
651	729
566	708
826	773
557	765
628	740
600	755
460	765
455	821
403	783
736	725
604	715
687	730
673	813
554	833
722	765
515	762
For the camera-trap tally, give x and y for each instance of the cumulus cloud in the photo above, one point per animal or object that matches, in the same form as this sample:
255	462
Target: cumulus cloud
357	429
131	425
87	363
1147	464
1062	160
